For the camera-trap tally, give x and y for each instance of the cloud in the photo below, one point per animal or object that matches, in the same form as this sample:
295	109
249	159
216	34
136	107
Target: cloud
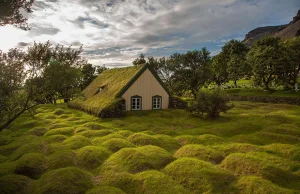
114	32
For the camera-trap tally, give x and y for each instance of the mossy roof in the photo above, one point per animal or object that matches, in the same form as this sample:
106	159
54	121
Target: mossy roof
113	81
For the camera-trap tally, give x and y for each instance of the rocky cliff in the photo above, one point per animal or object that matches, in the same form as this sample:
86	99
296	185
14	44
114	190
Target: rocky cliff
283	31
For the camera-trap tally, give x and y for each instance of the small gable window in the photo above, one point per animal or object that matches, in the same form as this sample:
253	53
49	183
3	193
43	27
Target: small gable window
100	89
156	102
136	103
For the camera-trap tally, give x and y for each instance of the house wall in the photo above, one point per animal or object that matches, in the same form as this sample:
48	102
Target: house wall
146	86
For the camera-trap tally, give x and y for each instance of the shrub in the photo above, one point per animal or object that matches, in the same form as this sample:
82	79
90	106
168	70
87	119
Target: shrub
15	184
211	103
68	180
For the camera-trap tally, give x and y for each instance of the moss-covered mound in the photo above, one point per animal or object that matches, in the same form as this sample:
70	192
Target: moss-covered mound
168	142
68	180
38	131
139	159
105	190
152	181
187	139
200	152
92	156
244	164
101	140
32	165
15	184
62	159
124	133
36	147
68	131
237	148
55	138
115	144
141	139
208	139
253	184
76	141
95	133
199	176
284	150
94	126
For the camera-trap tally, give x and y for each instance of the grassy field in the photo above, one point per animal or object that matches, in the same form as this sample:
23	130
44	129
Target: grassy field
255	148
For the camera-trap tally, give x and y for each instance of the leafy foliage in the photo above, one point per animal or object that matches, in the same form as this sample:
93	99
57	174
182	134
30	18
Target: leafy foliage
210	102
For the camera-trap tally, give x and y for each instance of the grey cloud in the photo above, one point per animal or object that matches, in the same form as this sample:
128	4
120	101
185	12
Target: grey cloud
39	29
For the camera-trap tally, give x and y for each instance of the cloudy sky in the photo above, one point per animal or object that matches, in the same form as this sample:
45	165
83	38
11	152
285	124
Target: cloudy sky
114	32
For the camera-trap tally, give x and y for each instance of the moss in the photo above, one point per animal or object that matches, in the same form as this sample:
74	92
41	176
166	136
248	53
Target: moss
156	182
93	126
59	111
68	131
38	131
55	138
92	156
62	159
15	184
106	190
101	140
143	139
5	139
76	142
199	176
208	139
168	142
291	152
7	168
121	180
135	160
81	129
2	158
98	133
37	147
124	133
253	184
32	165
187	139
237	148
245	165
115	144
68	180
200	152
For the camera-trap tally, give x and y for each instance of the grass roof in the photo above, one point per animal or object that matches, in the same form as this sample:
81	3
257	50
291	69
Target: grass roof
111	81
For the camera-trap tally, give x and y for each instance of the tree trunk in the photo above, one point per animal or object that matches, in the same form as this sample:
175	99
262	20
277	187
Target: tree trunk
66	100
235	84
11	120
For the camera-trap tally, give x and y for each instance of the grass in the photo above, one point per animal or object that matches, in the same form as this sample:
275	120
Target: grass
254	148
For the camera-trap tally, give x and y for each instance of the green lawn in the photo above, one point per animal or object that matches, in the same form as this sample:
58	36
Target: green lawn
255	148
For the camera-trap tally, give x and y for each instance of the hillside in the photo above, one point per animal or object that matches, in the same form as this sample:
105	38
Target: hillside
255	148
283	31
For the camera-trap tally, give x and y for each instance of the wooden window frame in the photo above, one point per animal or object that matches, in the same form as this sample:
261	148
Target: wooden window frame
131	104
156	97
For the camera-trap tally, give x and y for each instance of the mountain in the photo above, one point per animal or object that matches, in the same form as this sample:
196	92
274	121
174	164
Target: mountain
283	31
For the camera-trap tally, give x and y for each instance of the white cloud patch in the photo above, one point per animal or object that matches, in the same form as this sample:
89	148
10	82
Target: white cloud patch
114	32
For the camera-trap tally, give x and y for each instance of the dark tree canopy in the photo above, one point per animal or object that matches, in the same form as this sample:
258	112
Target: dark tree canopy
11	12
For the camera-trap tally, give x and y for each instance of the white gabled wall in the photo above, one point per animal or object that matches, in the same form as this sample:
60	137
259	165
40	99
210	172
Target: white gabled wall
146	86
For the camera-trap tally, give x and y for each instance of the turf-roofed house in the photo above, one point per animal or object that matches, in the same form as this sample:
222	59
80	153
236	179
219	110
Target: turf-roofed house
118	90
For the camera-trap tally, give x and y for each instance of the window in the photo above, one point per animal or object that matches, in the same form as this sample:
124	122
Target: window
156	102
136	103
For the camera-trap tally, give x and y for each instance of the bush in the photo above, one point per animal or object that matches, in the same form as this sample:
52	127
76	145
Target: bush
211	103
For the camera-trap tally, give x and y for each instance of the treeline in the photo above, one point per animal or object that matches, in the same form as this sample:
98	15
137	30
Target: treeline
269	60
42	74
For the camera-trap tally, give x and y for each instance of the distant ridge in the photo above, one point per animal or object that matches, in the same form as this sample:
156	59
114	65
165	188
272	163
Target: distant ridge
286	31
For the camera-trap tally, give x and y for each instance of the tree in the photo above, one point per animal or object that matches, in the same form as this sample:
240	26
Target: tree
268	59
139	60
10	12
211	103
219	70
292	68
192	70
237	66
16	96
88	75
